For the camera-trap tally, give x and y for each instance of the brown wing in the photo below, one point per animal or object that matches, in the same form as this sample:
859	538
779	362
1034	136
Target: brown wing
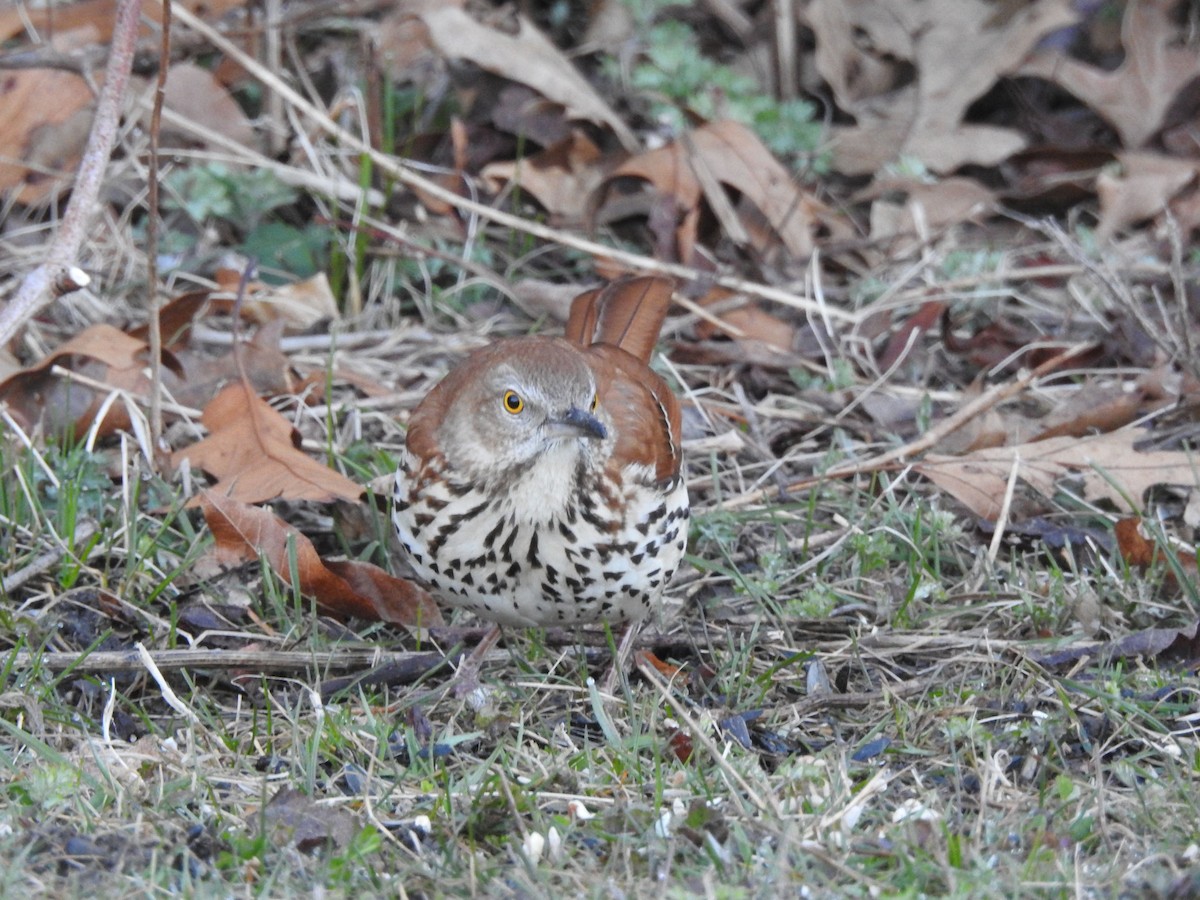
644	411
628	314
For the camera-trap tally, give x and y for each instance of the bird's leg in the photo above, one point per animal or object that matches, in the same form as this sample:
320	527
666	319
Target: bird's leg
466	678
620	660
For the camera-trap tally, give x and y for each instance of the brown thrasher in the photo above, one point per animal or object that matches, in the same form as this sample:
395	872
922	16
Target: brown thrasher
540	484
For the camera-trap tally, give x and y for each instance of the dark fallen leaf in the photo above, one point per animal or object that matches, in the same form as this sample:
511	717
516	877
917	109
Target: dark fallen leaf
293	818
734	727
1162	644
1054	535
902	340
680	743
871	749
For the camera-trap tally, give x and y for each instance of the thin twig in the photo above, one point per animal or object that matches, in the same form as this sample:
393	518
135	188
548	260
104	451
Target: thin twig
57	275
152	220
101	661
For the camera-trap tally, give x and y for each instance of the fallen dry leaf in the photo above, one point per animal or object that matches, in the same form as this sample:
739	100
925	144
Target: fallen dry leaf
926	207
560	178
908	72
41	143
300	304
1141	552
198	96
349	588
57	405
46	113
1161	644
526	56
753	323
731	154
1107	466
1091	409
95	15
292	818
1136	96
1141	188
253	453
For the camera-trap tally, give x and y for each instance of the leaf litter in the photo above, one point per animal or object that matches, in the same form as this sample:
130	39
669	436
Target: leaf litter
825	580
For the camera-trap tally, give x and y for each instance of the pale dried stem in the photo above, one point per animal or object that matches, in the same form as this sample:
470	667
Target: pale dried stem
152	305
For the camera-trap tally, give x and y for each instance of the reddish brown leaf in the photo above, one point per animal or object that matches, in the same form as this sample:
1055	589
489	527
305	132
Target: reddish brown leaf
1141	552
681	745
1092	409
253	453
175	319
749	318
358	589
906	336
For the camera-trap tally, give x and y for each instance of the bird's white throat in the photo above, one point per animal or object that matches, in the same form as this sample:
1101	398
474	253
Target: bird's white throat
544	490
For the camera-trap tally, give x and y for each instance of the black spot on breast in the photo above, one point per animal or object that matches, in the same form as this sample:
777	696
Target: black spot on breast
506	547
489	539
566	532
531	556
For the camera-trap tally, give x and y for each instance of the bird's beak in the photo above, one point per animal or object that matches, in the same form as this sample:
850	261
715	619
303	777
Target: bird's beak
575	423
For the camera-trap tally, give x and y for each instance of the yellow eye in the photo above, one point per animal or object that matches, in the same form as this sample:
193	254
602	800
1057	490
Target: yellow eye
513	402
595	402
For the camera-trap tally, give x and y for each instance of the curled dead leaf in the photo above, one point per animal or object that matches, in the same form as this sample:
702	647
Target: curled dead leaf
38	398
244	533
687	171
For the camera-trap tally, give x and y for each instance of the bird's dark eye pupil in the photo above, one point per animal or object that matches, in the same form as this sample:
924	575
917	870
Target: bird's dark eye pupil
513	402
